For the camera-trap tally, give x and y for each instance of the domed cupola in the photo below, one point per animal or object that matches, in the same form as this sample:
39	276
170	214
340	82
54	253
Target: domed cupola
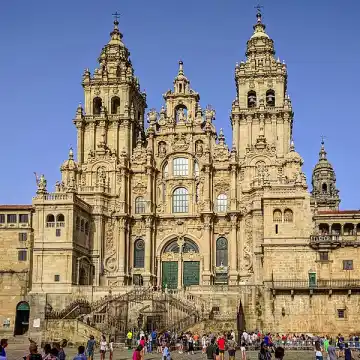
324	191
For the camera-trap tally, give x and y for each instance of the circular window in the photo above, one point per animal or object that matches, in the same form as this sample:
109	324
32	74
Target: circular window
140	244
221	243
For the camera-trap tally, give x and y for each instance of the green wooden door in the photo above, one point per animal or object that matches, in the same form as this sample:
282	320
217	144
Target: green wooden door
170	274
191	274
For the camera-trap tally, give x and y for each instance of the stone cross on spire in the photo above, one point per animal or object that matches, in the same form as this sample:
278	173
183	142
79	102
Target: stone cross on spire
258	7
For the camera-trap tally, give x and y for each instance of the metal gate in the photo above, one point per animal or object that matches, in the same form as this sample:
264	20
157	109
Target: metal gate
170	274
191	274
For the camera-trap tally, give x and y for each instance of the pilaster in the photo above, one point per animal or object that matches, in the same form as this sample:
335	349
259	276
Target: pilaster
207	273
233	250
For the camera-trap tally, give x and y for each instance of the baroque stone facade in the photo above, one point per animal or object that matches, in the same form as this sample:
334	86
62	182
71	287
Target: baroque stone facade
172	206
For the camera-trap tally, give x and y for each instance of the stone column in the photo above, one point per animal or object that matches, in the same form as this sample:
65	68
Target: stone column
233	274
158	271
80	142
233	197
206	276
206	194
121	249
148	243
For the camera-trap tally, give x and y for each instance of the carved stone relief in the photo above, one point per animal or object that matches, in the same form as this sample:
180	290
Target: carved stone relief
110	265
247	262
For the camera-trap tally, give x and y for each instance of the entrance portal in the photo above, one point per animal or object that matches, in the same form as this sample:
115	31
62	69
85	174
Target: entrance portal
180	264
170	274
22	318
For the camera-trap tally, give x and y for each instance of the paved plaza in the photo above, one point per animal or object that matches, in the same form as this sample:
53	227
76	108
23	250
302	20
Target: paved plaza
17	351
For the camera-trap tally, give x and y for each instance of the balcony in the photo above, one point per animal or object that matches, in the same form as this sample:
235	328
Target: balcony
317	286
328	242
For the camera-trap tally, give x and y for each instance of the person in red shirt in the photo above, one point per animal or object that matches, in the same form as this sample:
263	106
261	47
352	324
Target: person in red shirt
221	344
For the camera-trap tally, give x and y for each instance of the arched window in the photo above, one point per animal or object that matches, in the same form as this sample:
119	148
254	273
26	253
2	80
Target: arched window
196	169
97	104
277	216
221	252
82	225
60	220
221	203
324	188
139	254
115	105
77	223
181	167
288	215
50	220
166	170
86	228
270	98
188	246
140	205
251	99
180	200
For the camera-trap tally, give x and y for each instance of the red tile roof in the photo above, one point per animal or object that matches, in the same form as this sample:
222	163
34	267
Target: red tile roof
15	207
339	212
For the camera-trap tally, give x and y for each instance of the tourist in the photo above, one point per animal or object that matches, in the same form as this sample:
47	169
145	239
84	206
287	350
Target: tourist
103	347
231	344
137	353
142	344
90	347
61	354
81	353
332	353
221	344
279	353
129	337
264	354
326	344
47	352
111	348
166	352
153	339
211	350
243	350
33	352
203	344
318	351
191	345
348	353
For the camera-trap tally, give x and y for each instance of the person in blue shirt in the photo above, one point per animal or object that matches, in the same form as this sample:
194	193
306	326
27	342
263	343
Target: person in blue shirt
153	339
81	353
3	345
166	352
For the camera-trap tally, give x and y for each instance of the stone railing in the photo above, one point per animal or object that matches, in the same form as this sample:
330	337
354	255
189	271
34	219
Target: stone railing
319	284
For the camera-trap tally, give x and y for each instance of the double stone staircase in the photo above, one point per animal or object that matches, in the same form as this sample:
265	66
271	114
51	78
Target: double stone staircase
116	314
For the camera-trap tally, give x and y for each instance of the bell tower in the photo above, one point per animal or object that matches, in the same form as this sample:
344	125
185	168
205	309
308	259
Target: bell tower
324	192
113	112
262	109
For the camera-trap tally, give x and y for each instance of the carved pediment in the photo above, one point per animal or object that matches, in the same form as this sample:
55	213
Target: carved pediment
139	155
221	153
180	142
139	189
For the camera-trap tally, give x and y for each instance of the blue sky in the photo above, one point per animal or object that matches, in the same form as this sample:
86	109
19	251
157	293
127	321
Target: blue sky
46	45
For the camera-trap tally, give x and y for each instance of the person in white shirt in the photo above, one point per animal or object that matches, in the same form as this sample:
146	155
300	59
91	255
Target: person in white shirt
103	347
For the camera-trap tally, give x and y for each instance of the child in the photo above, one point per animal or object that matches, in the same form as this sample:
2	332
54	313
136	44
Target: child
243	350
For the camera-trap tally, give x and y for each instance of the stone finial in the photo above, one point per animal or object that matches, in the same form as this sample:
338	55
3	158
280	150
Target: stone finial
71	154
181	68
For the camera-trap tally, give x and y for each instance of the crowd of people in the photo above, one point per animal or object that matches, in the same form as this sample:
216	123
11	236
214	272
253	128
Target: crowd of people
213	346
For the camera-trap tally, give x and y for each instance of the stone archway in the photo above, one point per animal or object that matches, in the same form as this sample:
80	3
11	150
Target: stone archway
180	264
22	318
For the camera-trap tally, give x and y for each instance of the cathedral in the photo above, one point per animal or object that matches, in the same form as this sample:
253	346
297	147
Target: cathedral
163	224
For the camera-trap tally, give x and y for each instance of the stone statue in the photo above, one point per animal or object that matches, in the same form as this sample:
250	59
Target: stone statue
162	149
181	114
199	148
41	183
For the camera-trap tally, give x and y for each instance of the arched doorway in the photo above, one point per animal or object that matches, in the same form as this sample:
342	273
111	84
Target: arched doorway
180	264
22	318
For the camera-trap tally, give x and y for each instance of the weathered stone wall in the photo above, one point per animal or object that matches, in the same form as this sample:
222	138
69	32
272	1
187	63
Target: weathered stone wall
74	331
316	314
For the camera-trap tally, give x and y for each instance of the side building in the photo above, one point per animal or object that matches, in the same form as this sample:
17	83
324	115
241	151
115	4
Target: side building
16	239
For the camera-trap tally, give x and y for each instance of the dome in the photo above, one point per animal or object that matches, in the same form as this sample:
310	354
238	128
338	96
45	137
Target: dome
323	163
70	163
293	156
